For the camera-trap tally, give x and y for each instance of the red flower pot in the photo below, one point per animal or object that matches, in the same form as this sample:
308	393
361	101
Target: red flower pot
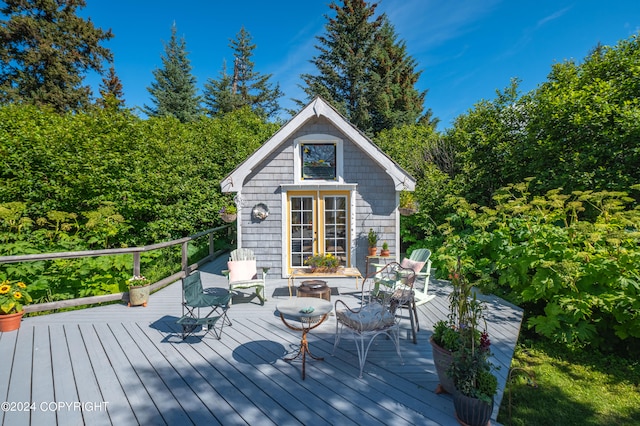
10	322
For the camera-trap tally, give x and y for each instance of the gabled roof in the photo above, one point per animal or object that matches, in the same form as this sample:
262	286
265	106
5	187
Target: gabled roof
317	108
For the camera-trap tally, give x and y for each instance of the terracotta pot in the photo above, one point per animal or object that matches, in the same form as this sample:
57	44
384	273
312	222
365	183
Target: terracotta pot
373	251
472	411
138	295
10	322
442	359
385	253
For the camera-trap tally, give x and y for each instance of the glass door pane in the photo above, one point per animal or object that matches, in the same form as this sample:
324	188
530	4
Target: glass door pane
302	232
335	227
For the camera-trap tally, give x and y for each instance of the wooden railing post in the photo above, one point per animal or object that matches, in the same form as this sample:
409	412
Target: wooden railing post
211	244
185	260
136	264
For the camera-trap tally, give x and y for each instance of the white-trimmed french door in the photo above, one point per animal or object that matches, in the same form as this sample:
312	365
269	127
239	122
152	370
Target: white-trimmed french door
318	223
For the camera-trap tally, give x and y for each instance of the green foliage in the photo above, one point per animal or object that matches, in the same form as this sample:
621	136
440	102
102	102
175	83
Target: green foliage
578	279
174	92
578	131
45	52
245	87
112	179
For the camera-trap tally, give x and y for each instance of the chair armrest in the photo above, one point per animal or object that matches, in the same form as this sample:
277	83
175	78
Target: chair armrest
226	272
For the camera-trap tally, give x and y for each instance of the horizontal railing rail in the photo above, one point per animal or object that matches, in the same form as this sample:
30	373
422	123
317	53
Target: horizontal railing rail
136	251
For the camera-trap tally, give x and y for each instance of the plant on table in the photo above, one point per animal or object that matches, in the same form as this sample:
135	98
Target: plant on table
323	263
372	238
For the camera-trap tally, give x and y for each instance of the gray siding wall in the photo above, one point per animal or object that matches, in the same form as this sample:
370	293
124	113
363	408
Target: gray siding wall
375	199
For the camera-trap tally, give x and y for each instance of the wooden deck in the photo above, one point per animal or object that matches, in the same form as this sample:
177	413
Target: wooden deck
119	365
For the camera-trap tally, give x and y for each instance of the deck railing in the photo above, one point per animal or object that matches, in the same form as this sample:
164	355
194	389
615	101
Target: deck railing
136	251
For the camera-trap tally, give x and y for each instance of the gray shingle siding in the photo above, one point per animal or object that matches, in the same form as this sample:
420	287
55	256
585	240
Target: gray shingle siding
375	200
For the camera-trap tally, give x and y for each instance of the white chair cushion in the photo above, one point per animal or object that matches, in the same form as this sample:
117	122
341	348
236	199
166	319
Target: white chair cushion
370	317
412	264
242	270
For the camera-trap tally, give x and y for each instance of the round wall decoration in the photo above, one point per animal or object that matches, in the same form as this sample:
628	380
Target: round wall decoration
260	211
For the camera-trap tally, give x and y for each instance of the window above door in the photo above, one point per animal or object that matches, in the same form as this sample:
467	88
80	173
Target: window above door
318	159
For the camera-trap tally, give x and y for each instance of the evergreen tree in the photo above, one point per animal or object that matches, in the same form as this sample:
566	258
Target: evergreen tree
245	86
174	92
395	100
111	90
45	50
364	70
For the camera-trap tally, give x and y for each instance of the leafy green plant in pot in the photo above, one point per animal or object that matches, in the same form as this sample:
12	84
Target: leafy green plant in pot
372	240
385	249
470	369
228	213
138	290
447	338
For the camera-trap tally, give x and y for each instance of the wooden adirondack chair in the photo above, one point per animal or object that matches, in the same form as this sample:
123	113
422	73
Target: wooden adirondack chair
242	273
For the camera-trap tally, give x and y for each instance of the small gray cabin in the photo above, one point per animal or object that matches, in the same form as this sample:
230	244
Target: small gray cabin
316	186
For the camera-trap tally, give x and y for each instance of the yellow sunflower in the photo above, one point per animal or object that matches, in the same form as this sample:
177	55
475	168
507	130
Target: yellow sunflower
4	288
17	295
21	284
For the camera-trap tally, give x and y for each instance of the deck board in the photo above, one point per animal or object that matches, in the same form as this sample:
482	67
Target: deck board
135	360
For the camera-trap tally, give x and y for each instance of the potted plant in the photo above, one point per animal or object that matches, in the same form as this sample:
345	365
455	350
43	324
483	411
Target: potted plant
475	384
385	249
446	338
138	290
228	213
13	296
470	370
372	239
323	263
408	203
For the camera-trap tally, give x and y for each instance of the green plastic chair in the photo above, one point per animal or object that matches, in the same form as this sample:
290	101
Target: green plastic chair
422	255
196	301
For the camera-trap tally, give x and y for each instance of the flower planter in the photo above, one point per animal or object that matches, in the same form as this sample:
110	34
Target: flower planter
228	217
373	251
10	322
442	359
138	295
472	411
323	269
407	211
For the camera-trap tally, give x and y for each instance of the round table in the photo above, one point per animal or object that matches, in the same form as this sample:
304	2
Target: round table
310	312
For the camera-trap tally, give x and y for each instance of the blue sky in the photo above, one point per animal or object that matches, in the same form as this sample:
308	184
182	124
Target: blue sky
466	49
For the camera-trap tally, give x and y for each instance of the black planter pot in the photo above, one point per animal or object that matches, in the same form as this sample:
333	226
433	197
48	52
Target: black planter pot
442	359
472	411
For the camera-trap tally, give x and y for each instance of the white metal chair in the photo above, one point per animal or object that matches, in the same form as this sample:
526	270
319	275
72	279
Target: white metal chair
376	314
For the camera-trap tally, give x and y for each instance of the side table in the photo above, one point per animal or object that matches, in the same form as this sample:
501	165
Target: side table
310	312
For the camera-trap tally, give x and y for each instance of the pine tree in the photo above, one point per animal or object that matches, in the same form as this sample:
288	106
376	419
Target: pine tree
111	90
395	100
364	70
174	91
45	51
245	86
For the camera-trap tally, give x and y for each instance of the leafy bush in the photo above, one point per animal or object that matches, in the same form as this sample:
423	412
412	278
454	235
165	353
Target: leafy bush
577	279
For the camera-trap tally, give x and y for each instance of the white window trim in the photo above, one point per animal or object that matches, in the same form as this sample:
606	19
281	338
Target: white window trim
319	139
